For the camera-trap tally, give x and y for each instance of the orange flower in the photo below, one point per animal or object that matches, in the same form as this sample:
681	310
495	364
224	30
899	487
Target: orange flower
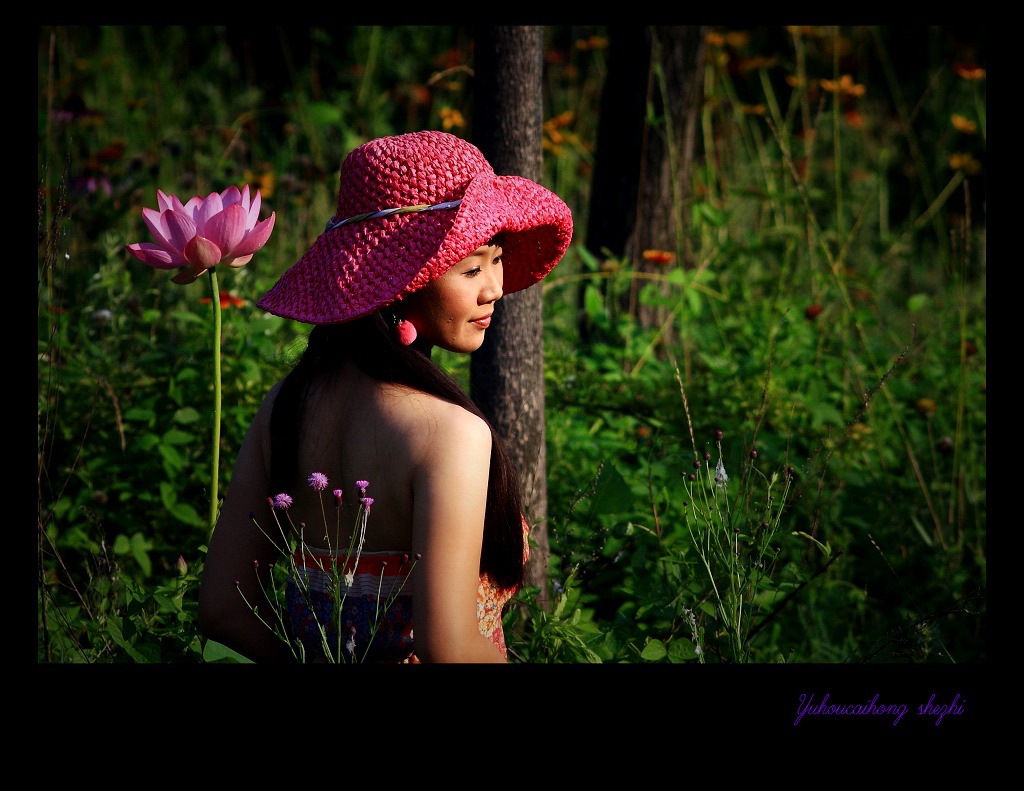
419	94
451	119
813	311
112	153
553	138
969	71
264	182
227	300
450	58
752	109
963	124
660	257
854	119
737	39
845	86
964	162
554	57
560	120
594	42
926	406
745	65
859	431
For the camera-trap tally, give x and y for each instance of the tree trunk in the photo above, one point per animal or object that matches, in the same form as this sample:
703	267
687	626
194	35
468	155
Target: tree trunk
676	94
644	164
507	372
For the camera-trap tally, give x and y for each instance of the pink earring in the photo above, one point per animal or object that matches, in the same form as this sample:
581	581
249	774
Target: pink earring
406	332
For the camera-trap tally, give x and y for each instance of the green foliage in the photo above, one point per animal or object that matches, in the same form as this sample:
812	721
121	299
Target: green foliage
828	311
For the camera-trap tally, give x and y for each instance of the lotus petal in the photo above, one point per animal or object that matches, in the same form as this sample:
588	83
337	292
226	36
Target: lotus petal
203	252
236	263
226	229
256	238
154	255
188	274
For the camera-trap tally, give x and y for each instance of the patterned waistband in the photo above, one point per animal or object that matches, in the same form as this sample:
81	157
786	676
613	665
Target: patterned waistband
371	574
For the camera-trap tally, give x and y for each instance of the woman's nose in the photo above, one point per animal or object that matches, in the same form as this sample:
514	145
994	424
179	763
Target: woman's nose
492	289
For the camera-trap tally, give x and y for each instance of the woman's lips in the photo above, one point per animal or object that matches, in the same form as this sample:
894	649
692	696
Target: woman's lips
484	323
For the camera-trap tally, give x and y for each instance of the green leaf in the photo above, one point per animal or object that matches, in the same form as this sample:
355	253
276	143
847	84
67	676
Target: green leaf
173	461
695	301
590	261
593	302
324	114
168	494
114	630
677	277
709	214
653	651
612	494
918	302
920	529
217	652
681	650
187	514
140	551
187	316
186	415
177	437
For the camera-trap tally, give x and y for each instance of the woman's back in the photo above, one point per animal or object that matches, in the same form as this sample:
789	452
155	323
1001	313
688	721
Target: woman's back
425	465
391	436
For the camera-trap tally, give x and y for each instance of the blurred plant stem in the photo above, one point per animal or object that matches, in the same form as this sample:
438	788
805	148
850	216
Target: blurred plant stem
215	471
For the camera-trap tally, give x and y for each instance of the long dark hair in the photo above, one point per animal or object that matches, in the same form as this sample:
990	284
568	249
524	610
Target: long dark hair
371	343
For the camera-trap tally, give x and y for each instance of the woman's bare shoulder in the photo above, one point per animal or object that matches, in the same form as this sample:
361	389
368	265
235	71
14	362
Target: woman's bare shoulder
436	425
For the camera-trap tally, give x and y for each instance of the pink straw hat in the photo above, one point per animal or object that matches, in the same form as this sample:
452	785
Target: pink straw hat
410	207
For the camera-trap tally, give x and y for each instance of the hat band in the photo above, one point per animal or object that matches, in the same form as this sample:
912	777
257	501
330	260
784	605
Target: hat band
451	204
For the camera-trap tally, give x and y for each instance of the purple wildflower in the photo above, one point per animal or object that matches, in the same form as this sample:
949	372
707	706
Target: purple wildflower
337	497
283	501
367	501
318	481
361	486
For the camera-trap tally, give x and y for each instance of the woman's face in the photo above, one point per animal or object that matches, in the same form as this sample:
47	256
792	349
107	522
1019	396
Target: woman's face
454	311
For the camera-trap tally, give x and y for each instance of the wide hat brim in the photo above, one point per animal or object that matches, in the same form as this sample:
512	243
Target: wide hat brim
358	268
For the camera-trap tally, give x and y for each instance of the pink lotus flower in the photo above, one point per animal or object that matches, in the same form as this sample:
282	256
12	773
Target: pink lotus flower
223	228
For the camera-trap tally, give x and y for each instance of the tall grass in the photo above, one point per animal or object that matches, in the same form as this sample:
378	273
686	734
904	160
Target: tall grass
831	327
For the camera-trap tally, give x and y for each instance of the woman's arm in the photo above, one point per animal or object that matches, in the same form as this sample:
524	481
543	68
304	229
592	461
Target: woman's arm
239	551
449	499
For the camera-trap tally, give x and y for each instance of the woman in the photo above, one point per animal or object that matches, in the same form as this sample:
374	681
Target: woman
426	239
